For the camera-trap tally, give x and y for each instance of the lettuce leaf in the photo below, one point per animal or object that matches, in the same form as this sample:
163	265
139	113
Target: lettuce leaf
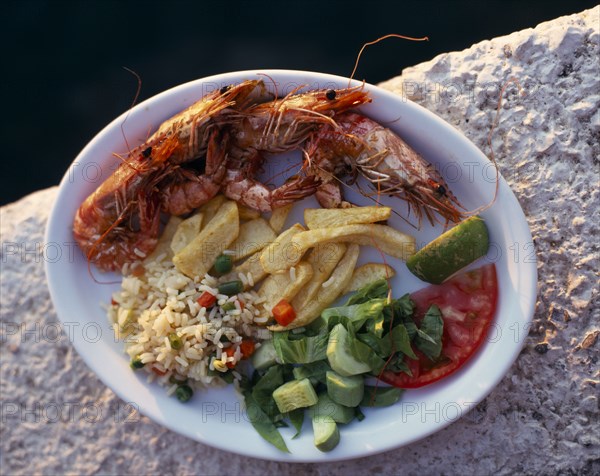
400	311
404	307
297	419
395	341
292	349
358	314
398	364
401	341
375	290
380	396
316	370
262	391
363	352
262	423
429	336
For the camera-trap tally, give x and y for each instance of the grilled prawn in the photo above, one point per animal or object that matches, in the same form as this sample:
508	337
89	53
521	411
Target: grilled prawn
119	221
279	126
285	124
357	145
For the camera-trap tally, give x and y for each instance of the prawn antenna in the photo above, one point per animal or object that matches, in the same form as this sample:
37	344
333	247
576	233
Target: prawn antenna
385	37
273	82
135	98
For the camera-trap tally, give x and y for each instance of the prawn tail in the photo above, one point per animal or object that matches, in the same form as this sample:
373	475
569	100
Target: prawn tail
179	198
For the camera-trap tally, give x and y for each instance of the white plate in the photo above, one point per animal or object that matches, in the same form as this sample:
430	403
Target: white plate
214	417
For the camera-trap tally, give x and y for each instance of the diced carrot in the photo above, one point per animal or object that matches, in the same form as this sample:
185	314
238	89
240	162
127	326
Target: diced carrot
284	313
246	348
158	371
207	299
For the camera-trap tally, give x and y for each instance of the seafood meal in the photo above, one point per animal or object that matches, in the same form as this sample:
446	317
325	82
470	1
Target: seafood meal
218	289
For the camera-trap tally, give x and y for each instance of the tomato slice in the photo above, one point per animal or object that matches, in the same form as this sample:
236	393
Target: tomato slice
468	303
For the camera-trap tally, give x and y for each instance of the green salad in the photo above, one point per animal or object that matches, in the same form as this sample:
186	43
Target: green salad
320	370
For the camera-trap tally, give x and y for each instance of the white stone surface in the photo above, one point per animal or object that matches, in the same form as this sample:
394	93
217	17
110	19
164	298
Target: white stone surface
541	419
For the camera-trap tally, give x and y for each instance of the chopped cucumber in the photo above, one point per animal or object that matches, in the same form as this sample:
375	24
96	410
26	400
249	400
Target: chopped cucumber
346	391
380	396
327	434
327	407
340	359
451	251
265	356
295	394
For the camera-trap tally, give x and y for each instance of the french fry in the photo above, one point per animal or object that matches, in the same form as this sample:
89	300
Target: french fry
338	281
254	236
278	217
303	273
385	238
334	217
210	208
196	259
366	274
280	255
323	259
164	242
186	232
247	213
281	286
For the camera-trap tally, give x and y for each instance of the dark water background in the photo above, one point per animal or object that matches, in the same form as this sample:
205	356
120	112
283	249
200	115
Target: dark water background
63	61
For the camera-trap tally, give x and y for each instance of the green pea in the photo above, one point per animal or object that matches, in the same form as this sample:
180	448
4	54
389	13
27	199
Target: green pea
231	288
175	341
228	306
184	393
223	264
136	363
